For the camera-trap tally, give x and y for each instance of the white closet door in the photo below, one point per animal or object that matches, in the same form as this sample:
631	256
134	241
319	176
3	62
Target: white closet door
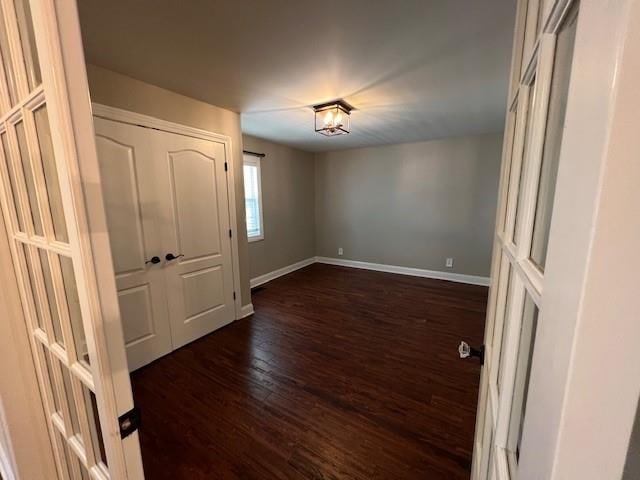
195	228
128	171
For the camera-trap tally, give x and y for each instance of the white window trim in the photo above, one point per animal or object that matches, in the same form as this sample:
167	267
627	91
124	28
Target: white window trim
254	161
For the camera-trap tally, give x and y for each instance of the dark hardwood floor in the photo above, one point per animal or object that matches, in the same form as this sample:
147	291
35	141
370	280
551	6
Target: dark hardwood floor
340	374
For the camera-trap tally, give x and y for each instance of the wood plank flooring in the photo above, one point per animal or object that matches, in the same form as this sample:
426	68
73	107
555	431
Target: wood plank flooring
340	374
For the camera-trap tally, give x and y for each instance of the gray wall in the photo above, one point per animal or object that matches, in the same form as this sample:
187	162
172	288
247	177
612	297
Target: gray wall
288	207
412	204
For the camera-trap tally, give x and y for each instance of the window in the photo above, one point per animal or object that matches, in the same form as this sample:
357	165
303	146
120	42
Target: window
253	198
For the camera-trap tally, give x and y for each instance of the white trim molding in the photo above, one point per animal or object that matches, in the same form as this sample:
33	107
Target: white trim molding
414	272
378	267
245	311
267	277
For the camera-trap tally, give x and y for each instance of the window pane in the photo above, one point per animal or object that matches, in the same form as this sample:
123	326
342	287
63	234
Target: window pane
523	371
64	456
50	173
28	41
13	179
94	425
28	179
553	139
73	412
48	373
252	200
32	283
6	62
73	304
513	127
51	297
505	326
524	163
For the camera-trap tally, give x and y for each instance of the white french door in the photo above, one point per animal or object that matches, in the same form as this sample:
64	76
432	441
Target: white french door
78	351
541	74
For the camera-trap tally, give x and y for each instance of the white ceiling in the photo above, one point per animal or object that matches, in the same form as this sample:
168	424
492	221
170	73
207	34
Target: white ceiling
414	69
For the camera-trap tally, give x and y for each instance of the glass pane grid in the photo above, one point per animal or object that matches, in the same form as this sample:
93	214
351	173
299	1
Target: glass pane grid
32	201
33	177
77	417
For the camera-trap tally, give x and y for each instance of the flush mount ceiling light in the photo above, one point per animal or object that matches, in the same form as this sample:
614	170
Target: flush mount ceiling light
333	118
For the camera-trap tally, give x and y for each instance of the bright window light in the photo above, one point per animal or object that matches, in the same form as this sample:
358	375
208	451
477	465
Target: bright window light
253	198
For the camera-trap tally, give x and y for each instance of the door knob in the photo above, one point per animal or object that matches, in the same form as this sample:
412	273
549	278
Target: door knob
171	256
154	260
466	351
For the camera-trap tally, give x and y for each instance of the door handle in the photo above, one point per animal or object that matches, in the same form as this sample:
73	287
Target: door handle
170	256
466	351
154	260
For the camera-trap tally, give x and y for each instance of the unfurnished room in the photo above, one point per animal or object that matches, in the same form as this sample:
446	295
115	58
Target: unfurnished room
319	240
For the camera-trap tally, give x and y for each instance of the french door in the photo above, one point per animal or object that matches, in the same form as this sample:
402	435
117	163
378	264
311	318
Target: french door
541	74
69	308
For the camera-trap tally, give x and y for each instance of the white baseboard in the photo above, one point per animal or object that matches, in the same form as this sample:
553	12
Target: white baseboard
246	310
415	272
379	267
267	277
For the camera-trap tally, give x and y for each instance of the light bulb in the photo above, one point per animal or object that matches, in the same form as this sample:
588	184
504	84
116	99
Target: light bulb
328	119
338	120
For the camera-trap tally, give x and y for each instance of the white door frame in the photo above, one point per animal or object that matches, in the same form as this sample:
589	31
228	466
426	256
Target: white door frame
132	118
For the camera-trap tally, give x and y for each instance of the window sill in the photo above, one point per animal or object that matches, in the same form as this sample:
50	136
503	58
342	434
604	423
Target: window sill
255	239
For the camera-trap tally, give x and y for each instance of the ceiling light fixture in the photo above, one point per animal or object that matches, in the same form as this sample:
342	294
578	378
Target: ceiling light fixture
333	118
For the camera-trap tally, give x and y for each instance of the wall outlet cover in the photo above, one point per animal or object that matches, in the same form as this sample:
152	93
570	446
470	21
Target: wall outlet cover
340	251
449	263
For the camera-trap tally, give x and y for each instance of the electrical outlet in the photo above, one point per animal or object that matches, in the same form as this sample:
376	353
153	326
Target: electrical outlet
449	263
340	251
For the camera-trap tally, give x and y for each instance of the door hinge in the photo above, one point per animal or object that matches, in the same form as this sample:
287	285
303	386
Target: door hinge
226	166
234	295
230	234
129	422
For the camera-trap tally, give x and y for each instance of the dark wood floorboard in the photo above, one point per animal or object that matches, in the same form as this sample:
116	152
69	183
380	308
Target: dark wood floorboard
340	374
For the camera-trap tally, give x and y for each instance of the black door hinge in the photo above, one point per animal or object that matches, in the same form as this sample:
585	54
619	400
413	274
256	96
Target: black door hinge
129	422
230	234
234	295
226	167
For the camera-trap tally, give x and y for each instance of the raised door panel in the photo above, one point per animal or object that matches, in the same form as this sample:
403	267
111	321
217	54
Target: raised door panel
122	204
130	195
193	181
203	292
136	303
196	224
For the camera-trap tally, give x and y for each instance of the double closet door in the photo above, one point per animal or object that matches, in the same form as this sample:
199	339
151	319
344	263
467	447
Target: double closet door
167	211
